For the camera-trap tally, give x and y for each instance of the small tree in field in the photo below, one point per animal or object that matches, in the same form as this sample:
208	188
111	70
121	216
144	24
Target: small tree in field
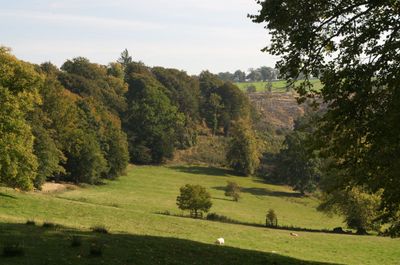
232	189
194	198
271	219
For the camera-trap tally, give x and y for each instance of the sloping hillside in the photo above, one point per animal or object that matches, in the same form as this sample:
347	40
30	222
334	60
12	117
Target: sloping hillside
138	234
277	109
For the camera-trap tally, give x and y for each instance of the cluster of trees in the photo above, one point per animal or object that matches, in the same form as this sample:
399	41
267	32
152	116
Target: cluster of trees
84	122
263	73
50	131
357	136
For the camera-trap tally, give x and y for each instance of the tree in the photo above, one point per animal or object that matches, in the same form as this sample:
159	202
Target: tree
254	75
271	220
19	84
151	121
239	76
125	59
243	154
298	165
359	208
194	198
267	73
232	189
354	47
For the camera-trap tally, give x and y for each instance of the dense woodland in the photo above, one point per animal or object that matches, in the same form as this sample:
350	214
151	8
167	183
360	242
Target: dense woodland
85	122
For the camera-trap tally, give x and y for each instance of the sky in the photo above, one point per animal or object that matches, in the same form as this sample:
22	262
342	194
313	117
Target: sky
191	35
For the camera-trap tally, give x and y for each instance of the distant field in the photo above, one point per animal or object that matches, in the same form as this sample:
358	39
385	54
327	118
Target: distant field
277	86
129	208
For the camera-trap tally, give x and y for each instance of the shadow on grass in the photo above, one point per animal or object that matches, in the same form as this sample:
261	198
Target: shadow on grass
227	220
199	170
7	196
44	247
266	192
222	199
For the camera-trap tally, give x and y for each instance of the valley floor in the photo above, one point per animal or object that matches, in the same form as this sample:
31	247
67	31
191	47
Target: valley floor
138	234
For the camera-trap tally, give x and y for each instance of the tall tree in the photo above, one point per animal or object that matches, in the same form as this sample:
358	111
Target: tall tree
125	58
354	46
151	121
19	84
243	153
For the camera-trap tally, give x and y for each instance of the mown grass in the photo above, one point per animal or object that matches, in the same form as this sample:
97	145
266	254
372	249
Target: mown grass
139	235
277	86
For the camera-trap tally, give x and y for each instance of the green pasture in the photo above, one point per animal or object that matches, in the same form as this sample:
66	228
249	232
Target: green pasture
277	86
130	209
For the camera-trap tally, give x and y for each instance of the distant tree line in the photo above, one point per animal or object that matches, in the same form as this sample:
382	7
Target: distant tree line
85	122
263	73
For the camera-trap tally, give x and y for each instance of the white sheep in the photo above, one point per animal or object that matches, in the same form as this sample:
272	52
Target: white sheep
220	241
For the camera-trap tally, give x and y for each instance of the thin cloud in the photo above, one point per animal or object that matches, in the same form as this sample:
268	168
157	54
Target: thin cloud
83	20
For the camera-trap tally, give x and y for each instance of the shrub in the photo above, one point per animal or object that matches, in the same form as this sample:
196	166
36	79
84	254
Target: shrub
100	229
194	198
49	225
30	222
76	241
220	218
251	89
13	250
271	219
233	190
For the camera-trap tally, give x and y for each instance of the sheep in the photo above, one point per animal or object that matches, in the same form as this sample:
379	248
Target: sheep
294	234
220	241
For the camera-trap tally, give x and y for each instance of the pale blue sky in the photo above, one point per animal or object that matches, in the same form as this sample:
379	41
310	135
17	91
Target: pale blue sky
191	35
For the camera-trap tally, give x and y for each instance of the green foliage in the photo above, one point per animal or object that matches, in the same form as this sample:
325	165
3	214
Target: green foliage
194	198
360	209
361	83
184	93
221	103
19	85
243	154
125	59
87	79
271	220
151	121
232	189
85	160
87	132
45	147
297	163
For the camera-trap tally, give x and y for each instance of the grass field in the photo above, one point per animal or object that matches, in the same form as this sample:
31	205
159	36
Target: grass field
129	209
277	86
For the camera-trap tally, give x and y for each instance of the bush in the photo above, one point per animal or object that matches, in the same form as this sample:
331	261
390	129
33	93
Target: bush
13	250
338	230
30	222
220	218
99	229
271	219
251	89
49	225
233	190
76	241
194	198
